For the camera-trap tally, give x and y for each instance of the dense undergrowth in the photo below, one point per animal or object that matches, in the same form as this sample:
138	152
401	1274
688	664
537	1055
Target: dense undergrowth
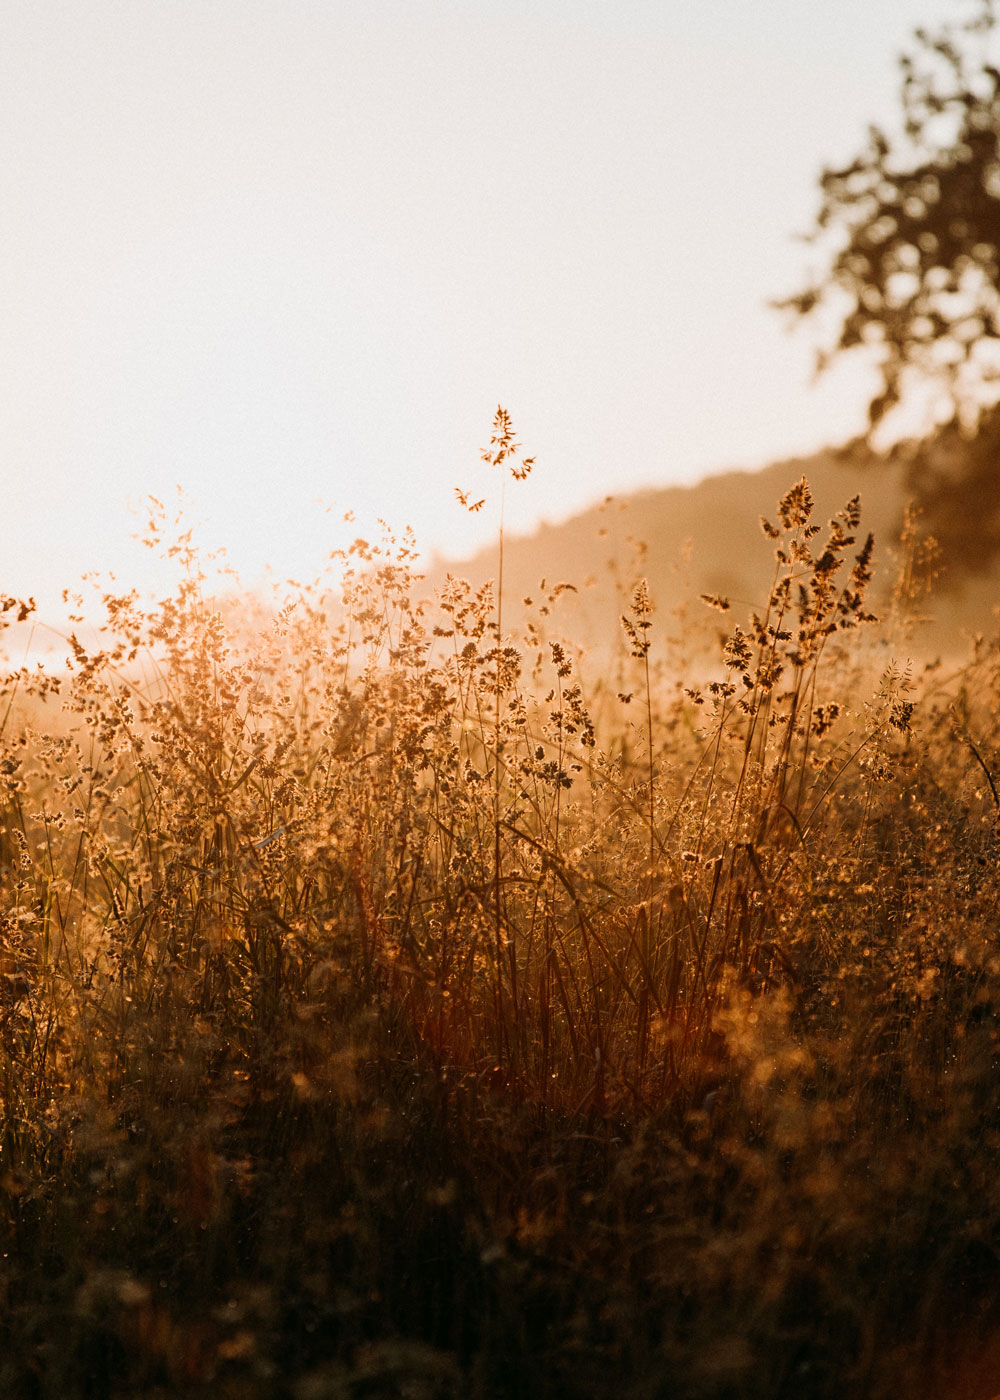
391	1006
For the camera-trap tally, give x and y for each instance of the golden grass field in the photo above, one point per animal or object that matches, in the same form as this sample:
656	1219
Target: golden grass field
394	1003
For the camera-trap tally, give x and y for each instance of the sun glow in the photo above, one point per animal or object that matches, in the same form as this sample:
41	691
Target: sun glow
289	264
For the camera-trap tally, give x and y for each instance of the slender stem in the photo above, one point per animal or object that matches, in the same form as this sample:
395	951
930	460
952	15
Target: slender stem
649	744
497	857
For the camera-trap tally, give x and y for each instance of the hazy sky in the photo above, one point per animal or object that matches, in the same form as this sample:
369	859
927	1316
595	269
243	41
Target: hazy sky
289	252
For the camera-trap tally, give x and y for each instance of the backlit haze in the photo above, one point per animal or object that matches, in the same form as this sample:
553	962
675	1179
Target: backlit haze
292	255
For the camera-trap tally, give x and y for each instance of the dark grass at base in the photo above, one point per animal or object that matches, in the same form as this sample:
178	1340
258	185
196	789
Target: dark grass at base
423	1238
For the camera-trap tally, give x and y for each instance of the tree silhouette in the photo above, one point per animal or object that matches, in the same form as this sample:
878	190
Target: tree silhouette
910	230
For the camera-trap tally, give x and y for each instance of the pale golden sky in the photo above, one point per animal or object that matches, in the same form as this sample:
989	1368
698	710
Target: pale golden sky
290	251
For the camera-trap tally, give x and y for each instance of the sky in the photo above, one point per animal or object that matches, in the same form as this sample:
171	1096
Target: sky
288	256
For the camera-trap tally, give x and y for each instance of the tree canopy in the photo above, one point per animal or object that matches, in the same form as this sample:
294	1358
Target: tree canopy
911	232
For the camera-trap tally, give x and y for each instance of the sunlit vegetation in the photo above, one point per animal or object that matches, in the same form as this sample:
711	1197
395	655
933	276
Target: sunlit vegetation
392	1005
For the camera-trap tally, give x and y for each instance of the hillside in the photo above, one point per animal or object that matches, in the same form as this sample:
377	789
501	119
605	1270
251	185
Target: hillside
706	538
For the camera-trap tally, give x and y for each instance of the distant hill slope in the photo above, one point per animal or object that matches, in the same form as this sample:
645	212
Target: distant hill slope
707	539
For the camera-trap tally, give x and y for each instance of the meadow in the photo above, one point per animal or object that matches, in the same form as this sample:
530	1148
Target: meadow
397	1001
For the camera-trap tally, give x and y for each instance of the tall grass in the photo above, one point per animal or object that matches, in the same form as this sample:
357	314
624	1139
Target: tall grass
385	1009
